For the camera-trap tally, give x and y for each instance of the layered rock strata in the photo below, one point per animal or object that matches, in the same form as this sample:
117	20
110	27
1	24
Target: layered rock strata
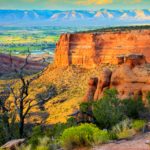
90	49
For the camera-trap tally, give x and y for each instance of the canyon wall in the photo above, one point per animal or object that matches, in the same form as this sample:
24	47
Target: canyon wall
90	49
131	79
7	61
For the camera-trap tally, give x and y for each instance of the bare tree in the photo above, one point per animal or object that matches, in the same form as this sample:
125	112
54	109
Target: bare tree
22	103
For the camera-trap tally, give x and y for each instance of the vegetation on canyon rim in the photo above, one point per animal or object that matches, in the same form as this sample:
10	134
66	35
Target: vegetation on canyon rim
110	122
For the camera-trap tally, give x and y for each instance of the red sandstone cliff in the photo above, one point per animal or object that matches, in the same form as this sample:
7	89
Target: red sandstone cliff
91	49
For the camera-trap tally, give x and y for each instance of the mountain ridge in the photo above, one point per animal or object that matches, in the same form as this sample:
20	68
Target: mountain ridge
100	17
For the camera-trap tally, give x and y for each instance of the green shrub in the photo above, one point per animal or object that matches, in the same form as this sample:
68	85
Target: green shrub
84	107
71	122
8	127
37	133
57	130
138	125
126	134
83	135
44	144
54	132
108	111
132	107
123	130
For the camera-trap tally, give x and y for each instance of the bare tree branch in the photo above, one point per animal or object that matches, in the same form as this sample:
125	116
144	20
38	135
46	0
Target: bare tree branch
22	103
26	61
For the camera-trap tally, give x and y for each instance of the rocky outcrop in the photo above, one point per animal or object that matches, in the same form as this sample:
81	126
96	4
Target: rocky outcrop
13	144
103	82
91	90
131	79
90	49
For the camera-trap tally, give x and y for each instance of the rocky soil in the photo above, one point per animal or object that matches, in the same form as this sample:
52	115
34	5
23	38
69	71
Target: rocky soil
141	142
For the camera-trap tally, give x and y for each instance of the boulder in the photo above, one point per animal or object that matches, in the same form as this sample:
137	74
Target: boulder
11	145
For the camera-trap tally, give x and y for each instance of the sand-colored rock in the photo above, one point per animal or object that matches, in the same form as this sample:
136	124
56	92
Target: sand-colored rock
90	49
13	144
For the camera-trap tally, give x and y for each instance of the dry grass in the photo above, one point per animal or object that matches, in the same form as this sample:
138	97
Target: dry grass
71	84
74	82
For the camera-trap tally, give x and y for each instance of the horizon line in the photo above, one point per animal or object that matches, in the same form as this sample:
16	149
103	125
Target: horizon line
71	9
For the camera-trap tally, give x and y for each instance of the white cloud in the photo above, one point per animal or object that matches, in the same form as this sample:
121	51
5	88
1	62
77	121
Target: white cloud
125	16
140	15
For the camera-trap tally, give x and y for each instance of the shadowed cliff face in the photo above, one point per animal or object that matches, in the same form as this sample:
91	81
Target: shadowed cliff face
6	64
91	49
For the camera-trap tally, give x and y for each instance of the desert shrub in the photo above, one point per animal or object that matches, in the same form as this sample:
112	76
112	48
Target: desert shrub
8	127
108	111
148	101
44	144
57	130
36	134
83	135
71	122
53	132
124	129
51	91
138	125
2	135
132	108
84	107
126	134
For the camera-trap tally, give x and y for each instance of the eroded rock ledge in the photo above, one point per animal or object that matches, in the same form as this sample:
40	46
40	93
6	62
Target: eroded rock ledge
131	79
90	49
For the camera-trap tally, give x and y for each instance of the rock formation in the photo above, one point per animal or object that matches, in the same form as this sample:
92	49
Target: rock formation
90	49
131	79
13	144
103	82
91	90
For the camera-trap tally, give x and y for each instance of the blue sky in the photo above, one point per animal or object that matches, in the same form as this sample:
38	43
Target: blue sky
74	4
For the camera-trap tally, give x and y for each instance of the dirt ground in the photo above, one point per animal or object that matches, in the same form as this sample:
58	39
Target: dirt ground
141	142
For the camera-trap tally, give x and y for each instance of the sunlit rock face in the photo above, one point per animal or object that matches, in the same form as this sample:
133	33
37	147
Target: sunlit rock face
91	49
131	79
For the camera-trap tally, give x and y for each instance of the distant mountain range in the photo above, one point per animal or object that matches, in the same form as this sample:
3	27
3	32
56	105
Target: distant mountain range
102	17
